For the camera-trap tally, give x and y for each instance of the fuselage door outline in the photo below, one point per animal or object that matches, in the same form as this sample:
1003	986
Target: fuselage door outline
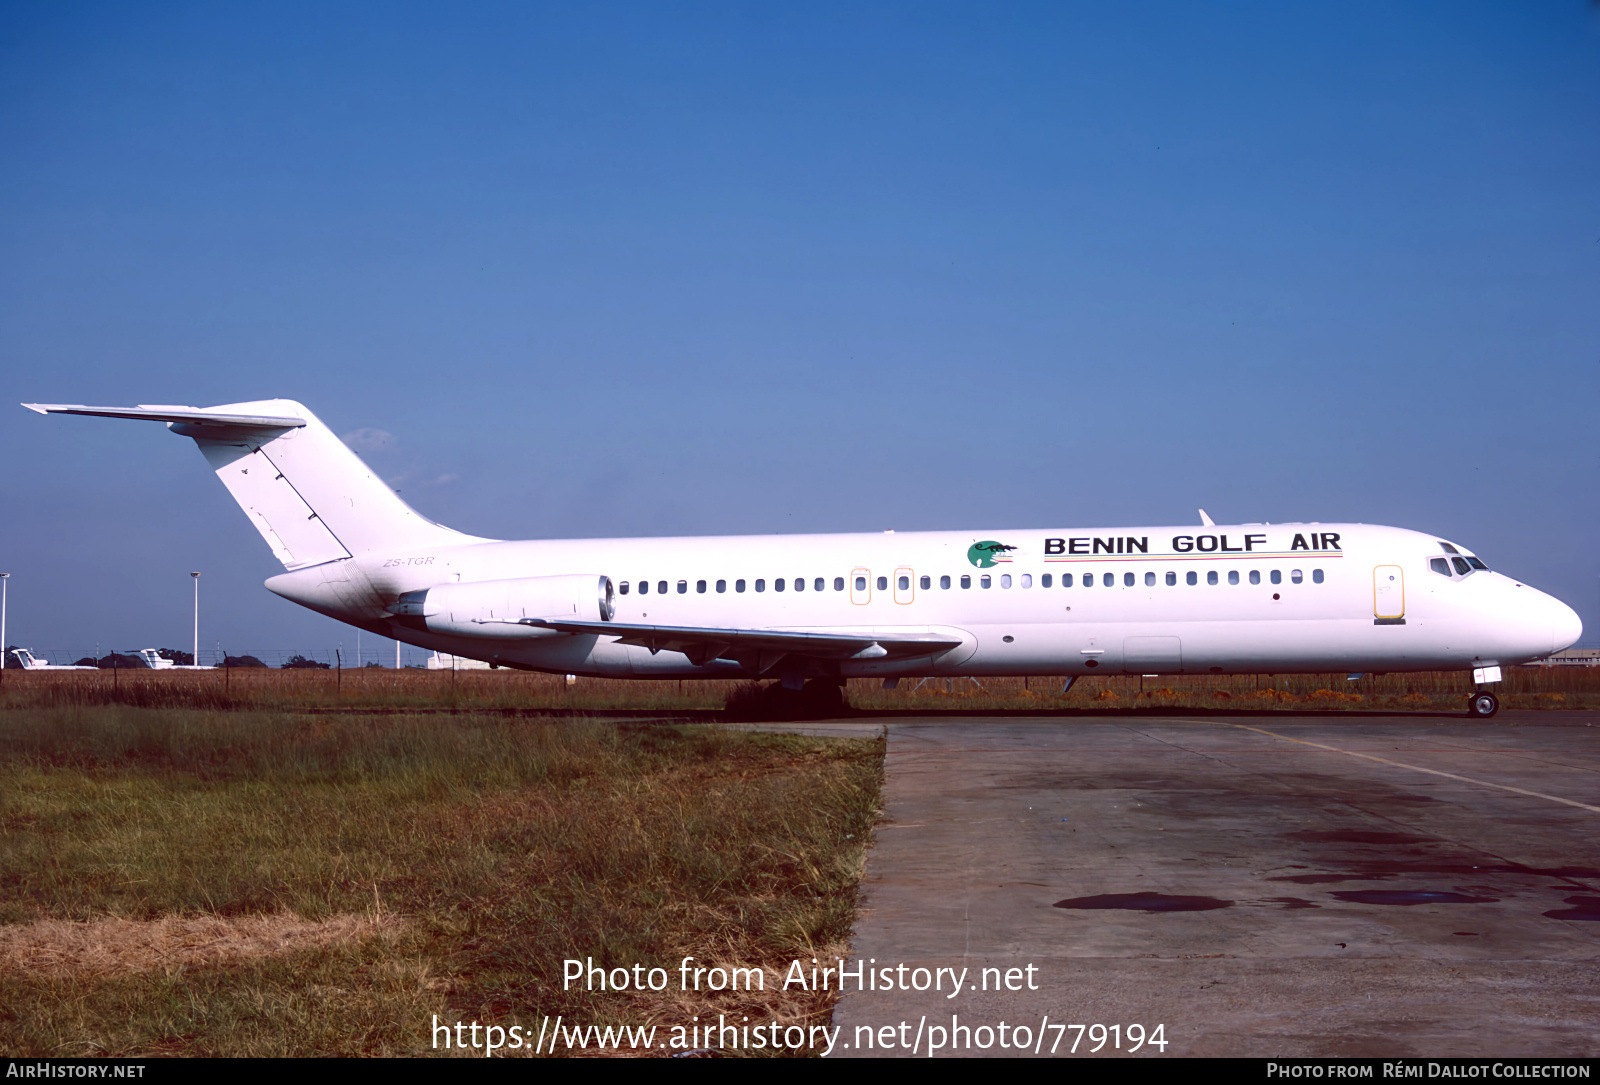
1388	592
861	586
905	586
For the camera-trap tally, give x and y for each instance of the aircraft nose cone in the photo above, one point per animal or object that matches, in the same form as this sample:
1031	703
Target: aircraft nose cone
1565	627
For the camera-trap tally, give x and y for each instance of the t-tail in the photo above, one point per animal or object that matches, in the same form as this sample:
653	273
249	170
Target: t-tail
313	500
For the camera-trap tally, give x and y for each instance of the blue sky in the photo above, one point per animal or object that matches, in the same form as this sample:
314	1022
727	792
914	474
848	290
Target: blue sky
639	269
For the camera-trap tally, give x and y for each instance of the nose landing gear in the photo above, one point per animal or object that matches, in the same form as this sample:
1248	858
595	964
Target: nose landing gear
1483	704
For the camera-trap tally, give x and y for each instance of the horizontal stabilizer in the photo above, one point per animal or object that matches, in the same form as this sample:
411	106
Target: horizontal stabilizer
193	416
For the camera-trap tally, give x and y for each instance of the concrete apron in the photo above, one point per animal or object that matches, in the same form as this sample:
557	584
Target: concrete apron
1255	885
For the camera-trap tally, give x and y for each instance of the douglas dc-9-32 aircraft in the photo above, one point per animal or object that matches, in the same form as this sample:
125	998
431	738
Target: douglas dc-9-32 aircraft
817	609
27	661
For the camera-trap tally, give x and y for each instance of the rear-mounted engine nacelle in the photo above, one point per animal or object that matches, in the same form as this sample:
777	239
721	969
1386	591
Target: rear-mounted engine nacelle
495	608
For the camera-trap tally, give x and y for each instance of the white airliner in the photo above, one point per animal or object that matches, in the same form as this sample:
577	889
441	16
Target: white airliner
25	657
1234	599
152	658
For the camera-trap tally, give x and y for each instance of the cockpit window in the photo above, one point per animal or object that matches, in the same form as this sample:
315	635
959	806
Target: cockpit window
1463	564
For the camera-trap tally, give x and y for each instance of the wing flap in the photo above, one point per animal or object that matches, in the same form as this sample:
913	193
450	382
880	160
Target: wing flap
702	645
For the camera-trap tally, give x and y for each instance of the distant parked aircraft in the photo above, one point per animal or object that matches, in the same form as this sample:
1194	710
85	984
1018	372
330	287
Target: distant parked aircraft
1220	599
29	663
441	661
153	659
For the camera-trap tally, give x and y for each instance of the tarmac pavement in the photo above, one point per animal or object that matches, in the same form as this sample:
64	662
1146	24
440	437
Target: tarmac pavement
1256	885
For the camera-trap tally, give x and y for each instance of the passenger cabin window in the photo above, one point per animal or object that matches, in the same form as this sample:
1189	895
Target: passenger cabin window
738	585
1255	576
1172	579
1066	580
883	583
761	585
700	586
799	583
683	587
722	586
1149	580
1277	576
984	581
861	583
1127	580
926	582
644	587
1190	578
903	583
623	587
1316	576
838	583
821	584
777	585
1296	576
1233	576
1044	581
661	587
966	581
1027	580
1211	577
944	582
1005	580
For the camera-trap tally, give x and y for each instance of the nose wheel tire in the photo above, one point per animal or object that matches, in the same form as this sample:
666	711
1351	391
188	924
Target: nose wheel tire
1483	705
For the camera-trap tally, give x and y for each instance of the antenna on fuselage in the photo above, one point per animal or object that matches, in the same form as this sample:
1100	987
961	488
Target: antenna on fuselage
1206	520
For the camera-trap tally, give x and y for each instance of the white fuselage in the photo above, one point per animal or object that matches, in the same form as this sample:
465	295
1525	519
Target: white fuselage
1070	601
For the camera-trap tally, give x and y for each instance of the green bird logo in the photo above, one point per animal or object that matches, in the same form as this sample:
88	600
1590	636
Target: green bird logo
986	553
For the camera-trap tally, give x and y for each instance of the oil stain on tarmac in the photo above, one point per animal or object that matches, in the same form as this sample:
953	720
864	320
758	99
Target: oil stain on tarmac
1409	896
1144	902
1583	908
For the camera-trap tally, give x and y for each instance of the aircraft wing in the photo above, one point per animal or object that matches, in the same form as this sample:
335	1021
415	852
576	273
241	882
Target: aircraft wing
766	646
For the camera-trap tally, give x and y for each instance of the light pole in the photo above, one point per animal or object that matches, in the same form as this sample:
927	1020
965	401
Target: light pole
196	659
4	579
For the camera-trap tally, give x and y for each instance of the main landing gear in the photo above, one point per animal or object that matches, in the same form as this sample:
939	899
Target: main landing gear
1483	704
820	699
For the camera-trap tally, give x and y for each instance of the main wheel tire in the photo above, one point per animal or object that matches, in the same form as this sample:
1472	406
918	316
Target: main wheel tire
819	699
823	697
1483	705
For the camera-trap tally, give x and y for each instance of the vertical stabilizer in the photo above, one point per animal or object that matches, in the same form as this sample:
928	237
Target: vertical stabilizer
313	500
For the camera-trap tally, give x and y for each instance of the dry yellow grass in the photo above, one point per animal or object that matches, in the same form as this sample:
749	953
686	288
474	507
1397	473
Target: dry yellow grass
185	882
522	692
113	946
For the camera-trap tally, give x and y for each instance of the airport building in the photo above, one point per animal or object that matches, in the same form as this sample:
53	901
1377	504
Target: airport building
1570	657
